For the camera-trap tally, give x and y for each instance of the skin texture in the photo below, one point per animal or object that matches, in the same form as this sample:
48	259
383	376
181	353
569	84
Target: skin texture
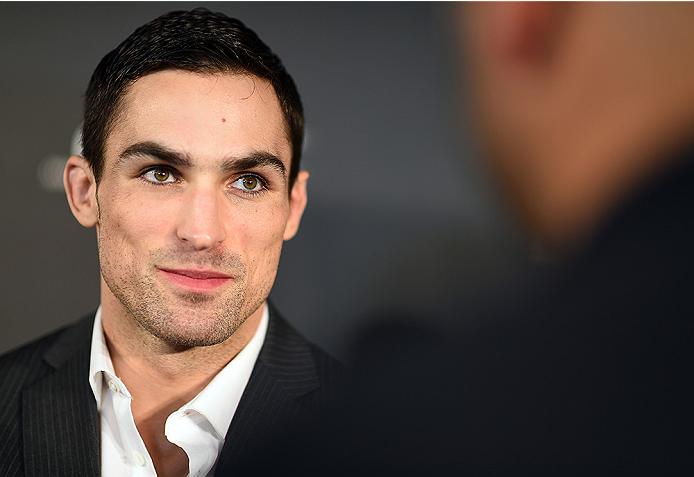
191	213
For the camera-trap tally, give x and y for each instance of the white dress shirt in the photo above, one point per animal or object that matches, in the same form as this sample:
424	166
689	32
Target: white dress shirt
198	427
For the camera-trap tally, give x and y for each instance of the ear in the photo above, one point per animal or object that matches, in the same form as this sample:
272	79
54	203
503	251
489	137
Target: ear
297	204
518	31
80	188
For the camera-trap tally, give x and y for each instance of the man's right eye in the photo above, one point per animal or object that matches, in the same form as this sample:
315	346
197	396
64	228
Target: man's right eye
159	175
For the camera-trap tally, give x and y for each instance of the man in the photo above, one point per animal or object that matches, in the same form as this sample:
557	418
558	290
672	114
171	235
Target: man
192	138
586	112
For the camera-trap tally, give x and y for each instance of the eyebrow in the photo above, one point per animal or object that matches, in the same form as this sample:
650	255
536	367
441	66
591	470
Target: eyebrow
178	159
151	149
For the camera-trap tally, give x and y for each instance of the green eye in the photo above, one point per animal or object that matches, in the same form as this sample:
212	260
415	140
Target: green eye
250	182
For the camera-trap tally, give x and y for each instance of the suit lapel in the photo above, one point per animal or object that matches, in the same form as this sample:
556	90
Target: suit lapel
285	371
59	415
61	423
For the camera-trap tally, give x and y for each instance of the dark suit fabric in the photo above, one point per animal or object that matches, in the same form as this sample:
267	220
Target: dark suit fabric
49	424
582	370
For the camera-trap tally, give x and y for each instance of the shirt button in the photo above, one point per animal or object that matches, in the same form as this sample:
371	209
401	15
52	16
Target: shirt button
113	386
139	459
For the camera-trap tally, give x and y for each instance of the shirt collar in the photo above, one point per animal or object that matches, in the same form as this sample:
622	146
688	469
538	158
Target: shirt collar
218	401
99	360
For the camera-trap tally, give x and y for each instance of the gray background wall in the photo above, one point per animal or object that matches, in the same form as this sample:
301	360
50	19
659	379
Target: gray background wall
400	214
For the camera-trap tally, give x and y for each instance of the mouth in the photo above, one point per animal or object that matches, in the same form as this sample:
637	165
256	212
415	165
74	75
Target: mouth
197	281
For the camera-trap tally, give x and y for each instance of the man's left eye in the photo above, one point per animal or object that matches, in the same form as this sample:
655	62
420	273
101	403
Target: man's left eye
248	183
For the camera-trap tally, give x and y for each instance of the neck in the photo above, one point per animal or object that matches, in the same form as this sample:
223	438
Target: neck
159	371
161	377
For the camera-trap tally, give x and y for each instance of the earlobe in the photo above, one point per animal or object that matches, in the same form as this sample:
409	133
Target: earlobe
519	31
297	205
533	29
80	188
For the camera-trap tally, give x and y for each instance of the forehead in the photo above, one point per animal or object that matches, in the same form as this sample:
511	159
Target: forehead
205	116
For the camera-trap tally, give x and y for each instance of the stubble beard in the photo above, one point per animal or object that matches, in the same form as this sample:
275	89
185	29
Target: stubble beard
186	319
187	323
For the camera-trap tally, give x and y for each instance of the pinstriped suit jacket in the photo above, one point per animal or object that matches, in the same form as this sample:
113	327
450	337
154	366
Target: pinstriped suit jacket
49	424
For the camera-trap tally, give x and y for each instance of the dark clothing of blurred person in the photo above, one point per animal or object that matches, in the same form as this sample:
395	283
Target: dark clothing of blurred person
586	114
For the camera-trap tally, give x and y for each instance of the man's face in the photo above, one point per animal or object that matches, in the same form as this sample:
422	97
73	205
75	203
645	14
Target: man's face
193	204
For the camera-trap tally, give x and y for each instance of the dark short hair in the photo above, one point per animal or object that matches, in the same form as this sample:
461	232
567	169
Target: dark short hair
198	41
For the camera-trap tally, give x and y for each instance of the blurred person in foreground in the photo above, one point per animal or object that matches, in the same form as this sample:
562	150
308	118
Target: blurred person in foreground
586	115
190	174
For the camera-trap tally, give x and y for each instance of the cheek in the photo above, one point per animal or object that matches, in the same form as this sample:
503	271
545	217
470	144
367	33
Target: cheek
263	236
135	226
261	226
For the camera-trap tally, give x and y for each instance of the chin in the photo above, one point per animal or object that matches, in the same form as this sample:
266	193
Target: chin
194	331
193	340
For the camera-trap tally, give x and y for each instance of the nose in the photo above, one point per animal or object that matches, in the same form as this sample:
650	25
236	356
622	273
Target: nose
200	223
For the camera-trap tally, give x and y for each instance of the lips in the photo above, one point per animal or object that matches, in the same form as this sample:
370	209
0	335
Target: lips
200	281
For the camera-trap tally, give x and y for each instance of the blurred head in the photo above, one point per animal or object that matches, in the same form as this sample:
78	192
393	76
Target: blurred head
197	41
578	103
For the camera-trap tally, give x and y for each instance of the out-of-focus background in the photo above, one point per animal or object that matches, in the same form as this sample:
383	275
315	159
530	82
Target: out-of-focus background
401	216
